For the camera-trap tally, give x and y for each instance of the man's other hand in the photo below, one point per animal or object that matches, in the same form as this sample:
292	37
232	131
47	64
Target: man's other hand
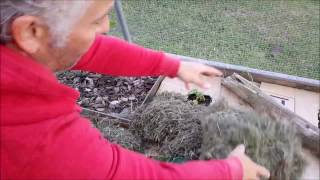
191	72
251	170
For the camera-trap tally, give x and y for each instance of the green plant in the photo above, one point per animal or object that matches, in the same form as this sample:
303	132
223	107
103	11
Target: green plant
196	96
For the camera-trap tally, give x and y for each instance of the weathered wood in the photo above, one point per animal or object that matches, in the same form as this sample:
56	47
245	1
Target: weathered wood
153	91
264	104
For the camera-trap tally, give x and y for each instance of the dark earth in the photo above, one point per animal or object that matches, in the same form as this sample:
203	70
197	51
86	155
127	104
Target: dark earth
108	94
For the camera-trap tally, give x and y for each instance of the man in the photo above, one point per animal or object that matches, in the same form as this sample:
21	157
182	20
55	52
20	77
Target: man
43	135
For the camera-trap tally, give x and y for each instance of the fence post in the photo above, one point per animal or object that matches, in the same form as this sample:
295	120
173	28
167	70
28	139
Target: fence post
122	21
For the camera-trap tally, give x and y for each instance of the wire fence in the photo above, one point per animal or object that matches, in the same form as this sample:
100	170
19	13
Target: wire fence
275	35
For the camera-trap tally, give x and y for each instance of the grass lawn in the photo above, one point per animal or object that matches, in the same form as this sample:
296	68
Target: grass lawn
281	36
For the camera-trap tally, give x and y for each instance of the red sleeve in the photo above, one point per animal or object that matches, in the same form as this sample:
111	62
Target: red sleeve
79	151
131	165
68	147
113	56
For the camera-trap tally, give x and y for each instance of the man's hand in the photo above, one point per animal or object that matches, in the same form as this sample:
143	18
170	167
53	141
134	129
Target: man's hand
251	170
191	72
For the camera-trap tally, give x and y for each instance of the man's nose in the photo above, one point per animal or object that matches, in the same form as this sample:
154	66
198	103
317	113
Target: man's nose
105	27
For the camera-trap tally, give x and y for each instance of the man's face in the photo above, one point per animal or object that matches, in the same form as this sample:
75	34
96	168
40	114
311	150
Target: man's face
95	21
39	46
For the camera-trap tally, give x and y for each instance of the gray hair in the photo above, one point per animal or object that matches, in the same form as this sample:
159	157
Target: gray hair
59	16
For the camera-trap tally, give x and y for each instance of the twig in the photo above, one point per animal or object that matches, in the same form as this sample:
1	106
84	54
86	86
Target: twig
218	128
250	76
109	115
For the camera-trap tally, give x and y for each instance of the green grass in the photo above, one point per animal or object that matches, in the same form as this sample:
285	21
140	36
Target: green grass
280	36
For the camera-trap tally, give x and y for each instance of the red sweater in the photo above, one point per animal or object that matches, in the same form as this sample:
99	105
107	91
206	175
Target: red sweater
43	135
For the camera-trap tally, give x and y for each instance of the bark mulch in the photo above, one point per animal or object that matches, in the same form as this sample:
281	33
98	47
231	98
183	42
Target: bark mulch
108	94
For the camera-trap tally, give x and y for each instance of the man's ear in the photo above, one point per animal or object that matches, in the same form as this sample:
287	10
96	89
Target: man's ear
28	33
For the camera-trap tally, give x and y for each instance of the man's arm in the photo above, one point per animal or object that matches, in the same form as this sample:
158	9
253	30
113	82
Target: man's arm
73	149
113	56
131	165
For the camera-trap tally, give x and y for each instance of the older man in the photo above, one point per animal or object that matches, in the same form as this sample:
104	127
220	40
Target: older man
43	135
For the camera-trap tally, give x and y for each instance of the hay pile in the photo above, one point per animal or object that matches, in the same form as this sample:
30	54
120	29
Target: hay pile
171	126
119	135
272	144
176	128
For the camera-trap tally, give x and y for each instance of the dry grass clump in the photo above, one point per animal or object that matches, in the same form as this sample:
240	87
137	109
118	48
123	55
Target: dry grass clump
174	127
273	144
170	123
119	135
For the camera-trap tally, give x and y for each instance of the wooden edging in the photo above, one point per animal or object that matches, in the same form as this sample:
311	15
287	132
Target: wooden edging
153	91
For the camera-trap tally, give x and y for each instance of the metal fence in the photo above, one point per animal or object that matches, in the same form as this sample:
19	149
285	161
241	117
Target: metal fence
280	36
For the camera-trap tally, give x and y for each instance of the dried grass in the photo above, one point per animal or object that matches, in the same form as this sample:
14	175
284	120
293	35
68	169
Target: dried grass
272	144
170	123
175	128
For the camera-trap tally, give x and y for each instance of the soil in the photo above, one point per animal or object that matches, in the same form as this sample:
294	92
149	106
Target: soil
108	94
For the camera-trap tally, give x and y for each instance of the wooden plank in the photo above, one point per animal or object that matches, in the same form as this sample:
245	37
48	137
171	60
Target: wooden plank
153	91
233	100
